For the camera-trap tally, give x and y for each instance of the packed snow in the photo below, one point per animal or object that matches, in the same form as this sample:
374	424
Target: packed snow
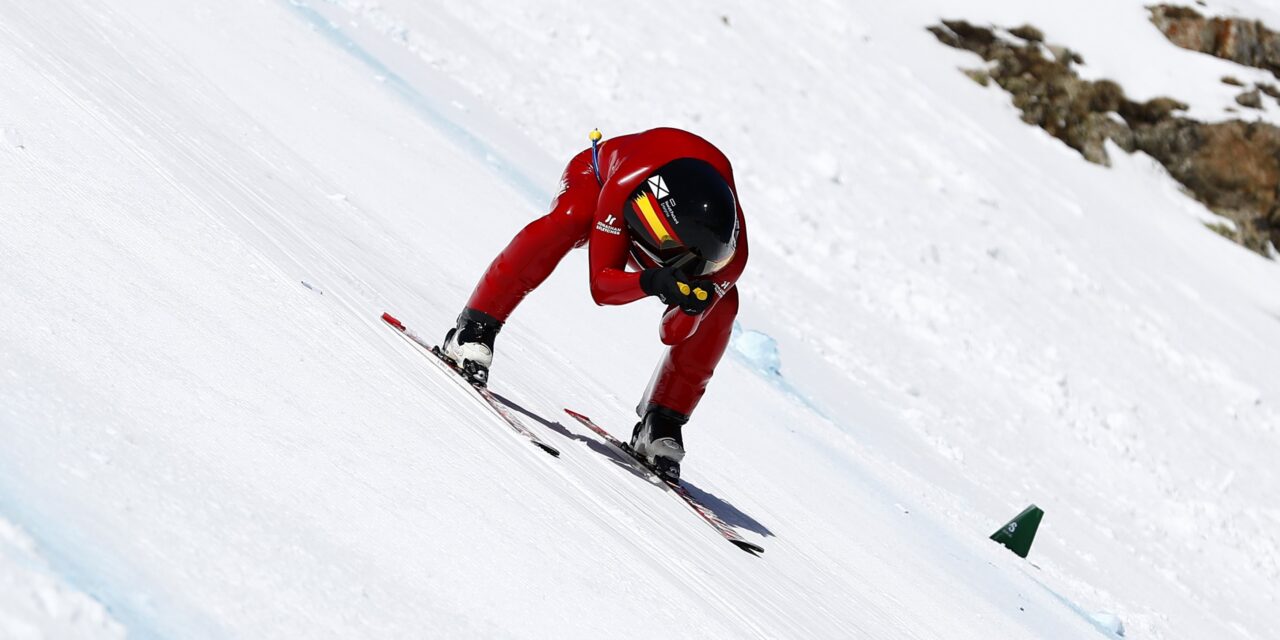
36	603
208	432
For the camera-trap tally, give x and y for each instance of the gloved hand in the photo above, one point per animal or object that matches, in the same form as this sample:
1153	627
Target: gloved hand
666	283
672	287
700	295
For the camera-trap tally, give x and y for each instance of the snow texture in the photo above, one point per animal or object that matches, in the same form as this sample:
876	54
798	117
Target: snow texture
36	603
207	430
1109	622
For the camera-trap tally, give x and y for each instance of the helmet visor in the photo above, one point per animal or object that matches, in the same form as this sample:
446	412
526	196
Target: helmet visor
694	265
707	267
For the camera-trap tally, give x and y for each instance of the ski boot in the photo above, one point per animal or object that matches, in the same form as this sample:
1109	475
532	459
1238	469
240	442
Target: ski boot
657	442
469	346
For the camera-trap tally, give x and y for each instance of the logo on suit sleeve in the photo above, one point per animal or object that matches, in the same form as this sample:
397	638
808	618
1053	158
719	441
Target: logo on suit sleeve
608	225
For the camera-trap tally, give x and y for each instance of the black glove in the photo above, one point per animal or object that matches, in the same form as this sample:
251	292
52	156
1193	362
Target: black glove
672	287
701	294
665	283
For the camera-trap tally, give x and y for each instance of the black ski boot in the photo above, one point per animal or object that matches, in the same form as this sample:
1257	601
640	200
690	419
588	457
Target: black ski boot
470	344
657	441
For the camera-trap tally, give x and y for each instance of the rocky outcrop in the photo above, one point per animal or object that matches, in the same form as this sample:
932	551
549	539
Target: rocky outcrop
1251	99
1248	42
1232	167
1046	89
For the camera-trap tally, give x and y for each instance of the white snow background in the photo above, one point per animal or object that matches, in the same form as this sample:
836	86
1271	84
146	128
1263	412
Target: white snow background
205	430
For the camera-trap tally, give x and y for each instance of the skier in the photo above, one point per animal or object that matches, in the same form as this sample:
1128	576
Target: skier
663	202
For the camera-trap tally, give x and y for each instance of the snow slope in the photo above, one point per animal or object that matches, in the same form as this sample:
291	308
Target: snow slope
207	429
36	603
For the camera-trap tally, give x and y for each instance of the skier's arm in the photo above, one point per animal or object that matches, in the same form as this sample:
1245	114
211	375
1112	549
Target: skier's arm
611	283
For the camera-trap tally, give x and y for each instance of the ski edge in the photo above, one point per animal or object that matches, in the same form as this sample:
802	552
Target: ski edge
724	529
483	393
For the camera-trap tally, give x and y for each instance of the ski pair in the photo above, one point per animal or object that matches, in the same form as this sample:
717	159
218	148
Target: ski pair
459	376
707	515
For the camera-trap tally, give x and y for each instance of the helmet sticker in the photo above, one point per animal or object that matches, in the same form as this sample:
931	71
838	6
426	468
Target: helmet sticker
655	223
669	208
659	187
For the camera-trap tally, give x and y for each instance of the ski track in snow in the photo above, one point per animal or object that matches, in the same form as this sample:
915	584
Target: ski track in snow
201	444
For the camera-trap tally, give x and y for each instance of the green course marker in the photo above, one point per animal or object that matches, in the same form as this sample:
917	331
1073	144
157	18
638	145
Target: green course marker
1020	531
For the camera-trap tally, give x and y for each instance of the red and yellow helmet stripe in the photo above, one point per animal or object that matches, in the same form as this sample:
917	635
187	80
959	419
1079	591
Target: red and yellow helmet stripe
655	222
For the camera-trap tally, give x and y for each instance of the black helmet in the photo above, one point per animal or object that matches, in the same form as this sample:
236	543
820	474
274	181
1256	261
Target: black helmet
683	215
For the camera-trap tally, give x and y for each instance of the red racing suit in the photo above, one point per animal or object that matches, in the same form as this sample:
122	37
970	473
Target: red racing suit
589	211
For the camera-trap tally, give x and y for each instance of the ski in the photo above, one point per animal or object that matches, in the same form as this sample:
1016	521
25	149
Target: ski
706	514
457	375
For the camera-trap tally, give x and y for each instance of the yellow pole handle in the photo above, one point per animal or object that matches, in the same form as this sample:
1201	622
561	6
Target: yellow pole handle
697	292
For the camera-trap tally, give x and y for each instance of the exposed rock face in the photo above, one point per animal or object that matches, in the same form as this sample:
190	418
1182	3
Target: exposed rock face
1028	33
1251	99
1247	42
1232	167
1046	90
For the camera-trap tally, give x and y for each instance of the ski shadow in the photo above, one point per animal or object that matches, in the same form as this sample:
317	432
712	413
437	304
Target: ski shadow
730	514
613	455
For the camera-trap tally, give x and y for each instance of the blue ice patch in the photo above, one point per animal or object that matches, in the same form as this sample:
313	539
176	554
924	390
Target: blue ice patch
758	349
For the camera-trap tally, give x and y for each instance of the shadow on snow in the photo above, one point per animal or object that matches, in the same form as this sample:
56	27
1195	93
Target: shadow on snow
730	514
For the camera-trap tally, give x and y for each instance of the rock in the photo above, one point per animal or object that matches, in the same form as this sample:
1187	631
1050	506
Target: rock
1047	92
1251	99
979	76
1248	42
1150	112
962	35
1064	55
1232	167
1094	131
1232	80
1028	33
